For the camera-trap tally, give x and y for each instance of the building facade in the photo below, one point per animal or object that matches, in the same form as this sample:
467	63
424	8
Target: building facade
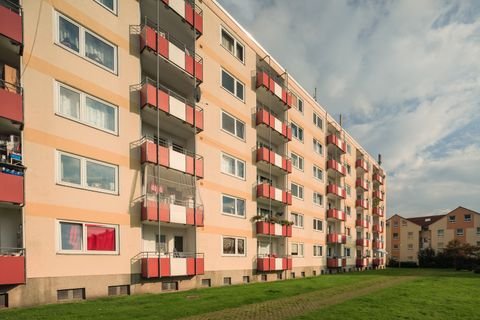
154	145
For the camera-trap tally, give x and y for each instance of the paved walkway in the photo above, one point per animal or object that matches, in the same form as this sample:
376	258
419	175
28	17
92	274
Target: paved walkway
286	308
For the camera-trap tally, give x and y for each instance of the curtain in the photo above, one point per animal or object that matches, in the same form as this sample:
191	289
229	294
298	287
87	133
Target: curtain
69	102
71	236
100	238
99	51
241	246
228	245
68	34
228	165
99	114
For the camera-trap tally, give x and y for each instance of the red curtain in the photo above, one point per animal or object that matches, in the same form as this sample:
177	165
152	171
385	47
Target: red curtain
100	238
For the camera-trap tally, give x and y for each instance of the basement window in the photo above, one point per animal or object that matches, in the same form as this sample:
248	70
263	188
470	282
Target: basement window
122	290
71	294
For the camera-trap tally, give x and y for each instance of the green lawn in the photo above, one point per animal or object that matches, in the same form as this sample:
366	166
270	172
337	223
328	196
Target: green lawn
433	295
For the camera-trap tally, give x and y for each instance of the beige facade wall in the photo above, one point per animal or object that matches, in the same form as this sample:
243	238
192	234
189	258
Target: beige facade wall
403	239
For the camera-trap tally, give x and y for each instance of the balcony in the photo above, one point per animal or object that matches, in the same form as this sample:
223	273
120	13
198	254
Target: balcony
336	262
12	266
171	157
378	195
377	262
281	162
172	264
267	191
170	49
362	223
266	81
362	184
11	101
378	211
171	104
336	238
273	229
336	166
363	242
11	26
278	126
361	203
273	263
362	165
362	262
180	212
337	191
188	12
377	178
377	228
11	184
337	142
378	245
336	214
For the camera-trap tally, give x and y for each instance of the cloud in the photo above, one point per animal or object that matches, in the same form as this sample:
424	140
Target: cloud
406	77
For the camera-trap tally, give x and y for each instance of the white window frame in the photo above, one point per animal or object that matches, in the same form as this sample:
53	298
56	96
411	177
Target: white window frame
300	249
316	224
235	81
235	126
465	217
410	246
440	234
222	154
316	171
300	191
115	6
454	220
236	247
315	143
82	108
298	220
348	189
84	238
83	172
317	250
317	120
299	109
315	196
299	159
299	129
460	234
81	42
235	43
478	231
236	215
349	148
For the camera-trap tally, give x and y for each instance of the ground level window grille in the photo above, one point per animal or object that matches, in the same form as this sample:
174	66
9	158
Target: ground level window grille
71	294
227	281
170	286
122	290
206	283
246	279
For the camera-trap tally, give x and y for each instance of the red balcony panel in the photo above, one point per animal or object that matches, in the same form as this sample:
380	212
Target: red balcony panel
361	164
262	79
360	263
190	266
360	183
378	195
336	238
336	262
199	119
334	165
378	245
199	70
189	16
263	190
200	265
11	104
150	267
199	168
274	264
149	211
149	153
341	145
11	24
263	154
287	263
363	242
361	223
378	178
377	228
165	267
12	268
336	214
189	164
359	203
148	39
287	230
163	47
11	188
274	229
287	132
336	190
378	211
289	100
377	262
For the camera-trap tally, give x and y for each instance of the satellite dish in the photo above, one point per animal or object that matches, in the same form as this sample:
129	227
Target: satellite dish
198	94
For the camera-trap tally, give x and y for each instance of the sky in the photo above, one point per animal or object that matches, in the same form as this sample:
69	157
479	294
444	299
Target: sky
405	75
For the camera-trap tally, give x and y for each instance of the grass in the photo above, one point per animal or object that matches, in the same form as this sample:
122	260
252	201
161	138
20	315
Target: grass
433	295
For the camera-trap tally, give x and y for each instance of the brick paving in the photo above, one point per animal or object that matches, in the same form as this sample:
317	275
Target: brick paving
290	307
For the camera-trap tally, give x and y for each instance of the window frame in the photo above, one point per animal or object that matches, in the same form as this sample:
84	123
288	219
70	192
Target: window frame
300	253
316	250
315	194
300	159
315	122
235	81
296	218
299	187
235	43
440	234
236	163
81	42
244	254
317	169
465	217
450	220
317	142
316	223
115	6
83	172
235	119
460	234
299	129
236	215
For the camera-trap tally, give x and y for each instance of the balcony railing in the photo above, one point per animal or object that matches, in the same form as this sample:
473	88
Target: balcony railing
11	184
336	238
11	101
362	223
336	262
11	25
189	12
336	166
361	164
361	203
281	162
266	80
273	263
377	262
172	211
336	214
378	211
363	242
378	178
362	262
267	191
336	191
377	228
171	49
378	245
172	264
159	151
12	266
273	229
361	183
378	195
281	127
171	104
336	141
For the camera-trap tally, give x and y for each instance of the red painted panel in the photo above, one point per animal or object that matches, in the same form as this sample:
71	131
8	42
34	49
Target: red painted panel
288	166
284	95
189	164
200	265
188	13
10	24
190	266
262	227
165	267
271	120
284	196
271	85
262	264
164	156
189	64
262	154
289	100
289	198
190	212
271	192
289	133
150	267
289	263
11	105
263	190
189	114
163	47
199	70
271	263
163	101
199	216
148	39
199	22
11	188
262	79
262	117
289	230
199	168
199	119
12	270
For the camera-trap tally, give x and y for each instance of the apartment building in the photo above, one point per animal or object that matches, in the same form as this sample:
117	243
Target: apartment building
407	236
154	145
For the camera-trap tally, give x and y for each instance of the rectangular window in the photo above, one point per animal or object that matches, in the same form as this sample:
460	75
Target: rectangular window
317	121
82	107
347	252
78	237
467	217
297	219
86	173
317	173
85	43
349	210
349	149
233	125
110	5
297	131
232	45
317	198
348	189
395	246
410	235
349	169
297	102
451	219
317	147
233	246
233	166
410	246
317	225
317	251
297	249
297	161
297	190
440	232
71	294
395	236
460	232
233	206
395	224
232	85
478	230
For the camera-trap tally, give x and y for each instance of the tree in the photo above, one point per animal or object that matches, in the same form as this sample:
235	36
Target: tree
462	254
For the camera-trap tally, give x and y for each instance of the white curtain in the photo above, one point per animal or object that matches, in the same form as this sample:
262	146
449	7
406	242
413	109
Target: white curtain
99	114
69	102
99	51
68	34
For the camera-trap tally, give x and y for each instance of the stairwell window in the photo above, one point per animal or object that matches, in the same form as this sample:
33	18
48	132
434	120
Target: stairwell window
232	85
467	218
233	206
233	126
80	237
110	5
459	232
232	45
233	166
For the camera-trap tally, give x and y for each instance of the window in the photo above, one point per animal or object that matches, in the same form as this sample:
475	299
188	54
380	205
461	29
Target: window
77	237
297	102
348	189
317	173
467	217
395	246
232	45
85	43
297	161
410	235
233	246
451	219
478	230
71	294
121	290
349	149
346	252
297	190
440	233
297	219
86	173
297	132
227	281
317	225
110	5
395	236
460	232
206	283
395	224
410	246
317	121
82	107
233	206
317	147
317	198
317	250
348	231
297	249
349	210
349	170
233	166
233	125
232	85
